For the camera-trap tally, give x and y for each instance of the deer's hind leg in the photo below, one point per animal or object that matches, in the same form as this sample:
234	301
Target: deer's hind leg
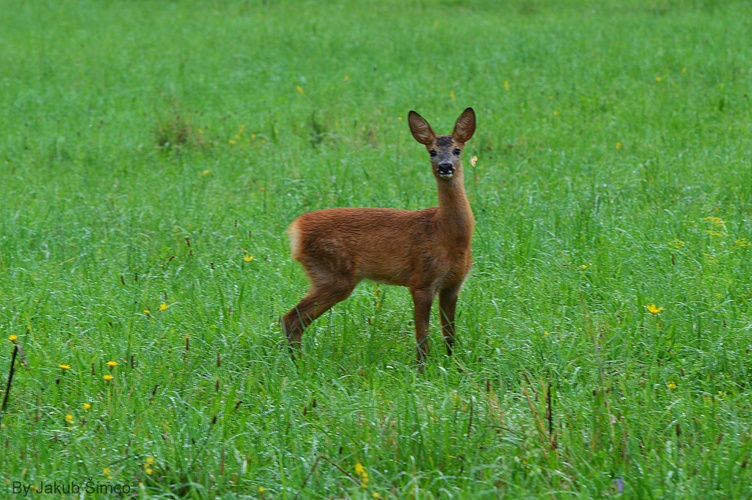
329	285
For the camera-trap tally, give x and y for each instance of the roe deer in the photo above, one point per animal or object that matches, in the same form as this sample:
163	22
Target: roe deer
427	250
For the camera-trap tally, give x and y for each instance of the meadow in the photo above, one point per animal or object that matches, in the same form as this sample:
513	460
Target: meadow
153	153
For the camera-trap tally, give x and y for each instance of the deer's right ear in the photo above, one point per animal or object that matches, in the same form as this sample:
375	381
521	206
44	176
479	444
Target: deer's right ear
422	131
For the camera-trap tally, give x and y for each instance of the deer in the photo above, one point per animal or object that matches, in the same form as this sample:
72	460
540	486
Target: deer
428	251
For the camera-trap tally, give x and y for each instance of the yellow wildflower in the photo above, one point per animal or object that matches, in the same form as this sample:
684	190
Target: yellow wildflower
248	257
205	172
112	364
658	79
716	233
677	243
69	418
299	89
107	378
13	338
506	85
652	309
716	221
147	312
64	367
87	406
163	306
671	384
362	474
261	489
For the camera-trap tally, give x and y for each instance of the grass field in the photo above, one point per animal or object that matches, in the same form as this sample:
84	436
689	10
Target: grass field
152	154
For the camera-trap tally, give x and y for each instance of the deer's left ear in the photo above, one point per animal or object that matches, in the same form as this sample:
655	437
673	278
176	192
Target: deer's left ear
465	126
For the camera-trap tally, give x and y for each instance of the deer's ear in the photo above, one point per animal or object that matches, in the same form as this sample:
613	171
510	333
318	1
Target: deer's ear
465	126
421	130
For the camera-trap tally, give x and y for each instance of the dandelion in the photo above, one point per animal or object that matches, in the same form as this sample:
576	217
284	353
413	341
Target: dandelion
671	384
299	89
473	161
362	474
13	338
205	172
87	406
545	333
584	266
233	141
652	309
69	419
618	145
658	79
112	364
261	490
506	85
64	367
163	306
247	257
147	312
107	378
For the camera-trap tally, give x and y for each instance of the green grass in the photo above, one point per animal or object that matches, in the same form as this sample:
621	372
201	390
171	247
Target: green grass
148	147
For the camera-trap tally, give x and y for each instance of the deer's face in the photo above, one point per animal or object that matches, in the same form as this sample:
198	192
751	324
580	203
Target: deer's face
445	157
445	150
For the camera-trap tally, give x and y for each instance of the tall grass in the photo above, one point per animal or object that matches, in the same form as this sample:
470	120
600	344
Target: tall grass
153	153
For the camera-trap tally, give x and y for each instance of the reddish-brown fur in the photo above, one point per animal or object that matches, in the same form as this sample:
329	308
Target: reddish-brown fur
427	250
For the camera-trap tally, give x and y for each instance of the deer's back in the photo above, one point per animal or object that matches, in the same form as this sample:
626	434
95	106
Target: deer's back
386	245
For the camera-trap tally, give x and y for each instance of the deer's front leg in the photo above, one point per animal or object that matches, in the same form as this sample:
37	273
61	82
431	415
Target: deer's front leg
422	300
447	308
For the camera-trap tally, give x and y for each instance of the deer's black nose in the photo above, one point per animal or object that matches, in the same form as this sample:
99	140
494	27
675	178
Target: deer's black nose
446	169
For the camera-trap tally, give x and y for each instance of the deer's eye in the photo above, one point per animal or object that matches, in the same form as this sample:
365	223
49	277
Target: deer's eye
433	153
457	151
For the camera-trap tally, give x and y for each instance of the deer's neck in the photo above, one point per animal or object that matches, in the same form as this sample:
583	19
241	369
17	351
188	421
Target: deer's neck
454	214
